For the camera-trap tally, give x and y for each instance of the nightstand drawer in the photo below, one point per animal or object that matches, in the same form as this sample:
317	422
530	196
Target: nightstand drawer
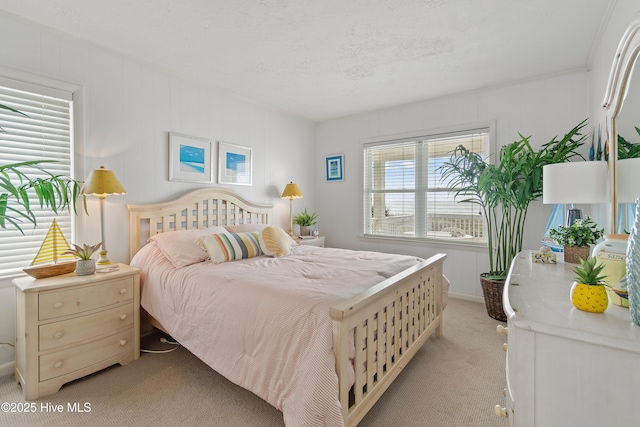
78	329
66	361
77	300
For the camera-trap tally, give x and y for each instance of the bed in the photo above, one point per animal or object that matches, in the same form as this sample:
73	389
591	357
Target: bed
320	351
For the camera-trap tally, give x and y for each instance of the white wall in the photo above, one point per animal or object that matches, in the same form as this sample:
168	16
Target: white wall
542	108
124	112
621	16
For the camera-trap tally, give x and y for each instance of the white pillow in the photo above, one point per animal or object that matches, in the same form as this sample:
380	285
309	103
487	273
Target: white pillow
180	247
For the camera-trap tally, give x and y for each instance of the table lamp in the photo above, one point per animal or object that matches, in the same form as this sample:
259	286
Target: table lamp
102	183
628	180
291	191
575	183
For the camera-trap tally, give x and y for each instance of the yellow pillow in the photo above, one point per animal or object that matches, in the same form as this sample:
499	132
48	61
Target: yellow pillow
275	242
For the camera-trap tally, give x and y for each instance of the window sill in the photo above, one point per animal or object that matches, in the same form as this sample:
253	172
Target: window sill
459	244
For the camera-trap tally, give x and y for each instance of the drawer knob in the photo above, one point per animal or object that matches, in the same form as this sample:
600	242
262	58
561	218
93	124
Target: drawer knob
500	411
58	335
504	392
58	364
501	330
123	291
505	346
123	342
58	304
123	316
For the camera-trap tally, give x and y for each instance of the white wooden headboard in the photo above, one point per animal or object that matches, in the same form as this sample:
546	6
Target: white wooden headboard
200	208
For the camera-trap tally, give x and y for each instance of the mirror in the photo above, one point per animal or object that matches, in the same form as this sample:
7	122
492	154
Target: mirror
623	102
628	154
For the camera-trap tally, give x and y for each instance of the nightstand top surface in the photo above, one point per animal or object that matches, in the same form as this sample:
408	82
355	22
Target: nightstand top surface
30	284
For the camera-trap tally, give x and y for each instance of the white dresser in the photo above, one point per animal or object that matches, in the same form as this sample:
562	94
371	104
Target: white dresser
70	326
566	367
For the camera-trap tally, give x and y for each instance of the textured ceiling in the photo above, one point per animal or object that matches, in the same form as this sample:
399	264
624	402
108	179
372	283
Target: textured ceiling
323	59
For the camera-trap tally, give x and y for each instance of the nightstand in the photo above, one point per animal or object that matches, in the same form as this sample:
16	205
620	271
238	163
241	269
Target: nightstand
316	241
69	326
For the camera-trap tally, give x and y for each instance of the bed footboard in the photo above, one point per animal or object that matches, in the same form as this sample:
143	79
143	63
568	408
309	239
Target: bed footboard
389	323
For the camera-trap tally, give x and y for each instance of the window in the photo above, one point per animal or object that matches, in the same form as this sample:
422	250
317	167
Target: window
404	196
44	134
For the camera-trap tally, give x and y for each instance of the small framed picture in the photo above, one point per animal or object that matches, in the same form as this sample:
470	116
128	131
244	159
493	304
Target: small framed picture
190	159
234	164
334	166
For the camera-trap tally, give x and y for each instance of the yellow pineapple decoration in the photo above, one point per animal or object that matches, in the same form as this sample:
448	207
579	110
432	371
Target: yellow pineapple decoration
588	292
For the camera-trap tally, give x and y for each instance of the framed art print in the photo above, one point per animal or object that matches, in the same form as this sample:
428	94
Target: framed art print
334	166
234	164
190	159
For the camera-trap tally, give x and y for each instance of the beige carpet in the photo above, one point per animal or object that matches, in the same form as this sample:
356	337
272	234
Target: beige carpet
453	381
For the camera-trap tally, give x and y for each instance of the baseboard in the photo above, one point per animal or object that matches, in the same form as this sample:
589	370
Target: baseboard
466	297
7	369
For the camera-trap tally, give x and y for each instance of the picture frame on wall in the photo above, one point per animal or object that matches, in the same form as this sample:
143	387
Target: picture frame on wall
234	164
334	166
190	158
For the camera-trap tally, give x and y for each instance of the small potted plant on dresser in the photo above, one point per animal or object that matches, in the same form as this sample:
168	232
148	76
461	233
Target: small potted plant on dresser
588	292
305	220
577	238
85	264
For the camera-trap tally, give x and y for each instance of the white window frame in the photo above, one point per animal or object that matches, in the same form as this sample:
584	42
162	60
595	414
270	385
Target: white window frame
33	237
486	126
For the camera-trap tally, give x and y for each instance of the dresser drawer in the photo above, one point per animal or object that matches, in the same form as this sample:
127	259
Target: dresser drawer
78	329
72	301
66	361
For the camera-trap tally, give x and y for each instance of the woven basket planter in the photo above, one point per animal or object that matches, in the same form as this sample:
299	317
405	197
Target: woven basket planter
572	254
492	291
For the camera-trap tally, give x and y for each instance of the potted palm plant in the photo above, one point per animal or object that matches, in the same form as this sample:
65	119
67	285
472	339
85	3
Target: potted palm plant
503	190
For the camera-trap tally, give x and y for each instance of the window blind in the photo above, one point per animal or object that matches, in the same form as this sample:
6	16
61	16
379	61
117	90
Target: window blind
44	134
404	195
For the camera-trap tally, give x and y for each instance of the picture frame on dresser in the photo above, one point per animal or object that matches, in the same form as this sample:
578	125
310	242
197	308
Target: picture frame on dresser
190	159
234	164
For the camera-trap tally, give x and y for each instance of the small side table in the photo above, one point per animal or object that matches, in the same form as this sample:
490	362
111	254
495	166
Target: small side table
316	241
69	326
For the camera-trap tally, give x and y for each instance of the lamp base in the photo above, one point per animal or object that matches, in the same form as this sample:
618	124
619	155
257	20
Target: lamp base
102	259
572	215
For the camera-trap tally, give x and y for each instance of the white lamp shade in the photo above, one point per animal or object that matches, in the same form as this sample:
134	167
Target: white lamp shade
627	180
575	182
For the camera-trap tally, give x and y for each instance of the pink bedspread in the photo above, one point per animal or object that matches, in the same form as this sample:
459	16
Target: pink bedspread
264	322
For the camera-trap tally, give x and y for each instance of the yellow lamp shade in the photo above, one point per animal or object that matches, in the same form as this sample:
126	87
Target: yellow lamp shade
291	191
102	183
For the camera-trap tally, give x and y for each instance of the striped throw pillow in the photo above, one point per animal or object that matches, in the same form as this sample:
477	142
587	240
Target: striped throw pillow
230	246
